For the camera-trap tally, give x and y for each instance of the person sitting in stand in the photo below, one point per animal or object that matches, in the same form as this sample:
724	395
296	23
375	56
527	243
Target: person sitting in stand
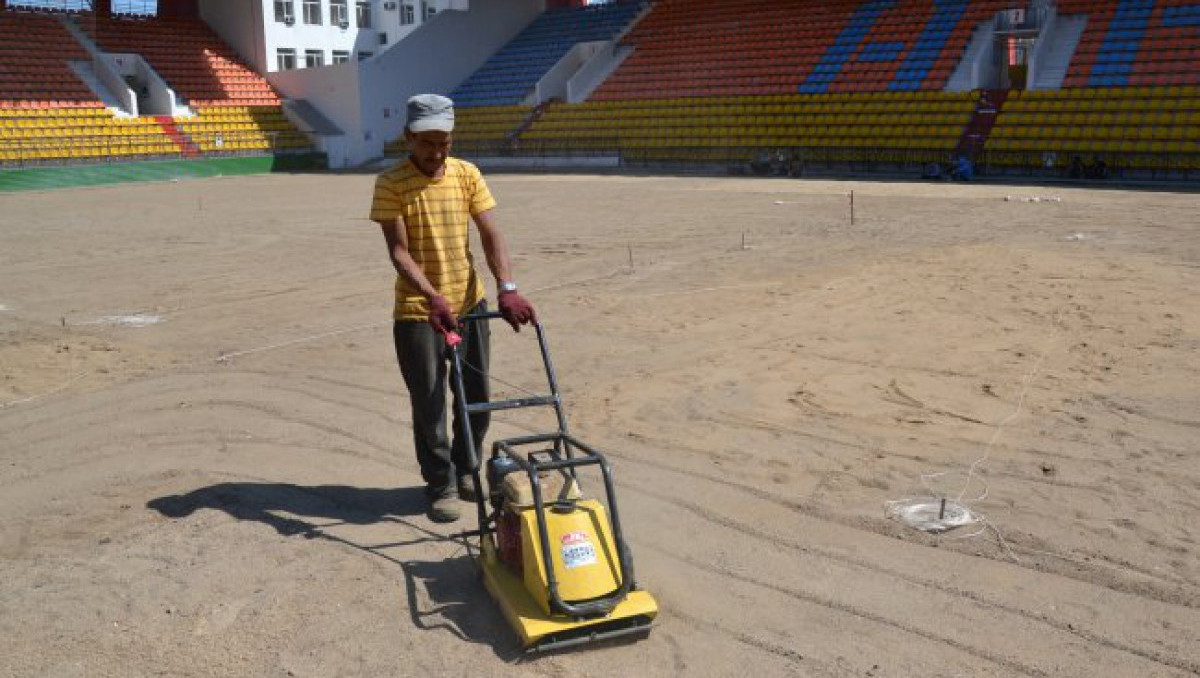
963	170
1076	169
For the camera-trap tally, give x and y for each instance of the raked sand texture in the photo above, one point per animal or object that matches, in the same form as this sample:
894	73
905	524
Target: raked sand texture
206	465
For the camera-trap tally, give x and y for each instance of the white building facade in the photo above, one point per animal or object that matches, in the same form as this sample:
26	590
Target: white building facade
315	33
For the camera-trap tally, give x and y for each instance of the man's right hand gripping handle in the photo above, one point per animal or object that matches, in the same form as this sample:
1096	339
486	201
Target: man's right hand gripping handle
440	315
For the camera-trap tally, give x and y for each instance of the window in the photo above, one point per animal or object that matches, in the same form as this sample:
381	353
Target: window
312	12
339	13
383	38
285	12
427	10
340	56
363	56
363	9
314	58
406	14
285	59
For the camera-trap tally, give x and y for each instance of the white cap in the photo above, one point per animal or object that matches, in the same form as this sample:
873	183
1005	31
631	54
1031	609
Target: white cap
430	112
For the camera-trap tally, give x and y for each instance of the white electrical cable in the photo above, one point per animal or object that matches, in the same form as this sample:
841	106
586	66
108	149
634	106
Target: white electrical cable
937	514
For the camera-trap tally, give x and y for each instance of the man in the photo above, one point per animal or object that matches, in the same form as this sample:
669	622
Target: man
963	170
425	206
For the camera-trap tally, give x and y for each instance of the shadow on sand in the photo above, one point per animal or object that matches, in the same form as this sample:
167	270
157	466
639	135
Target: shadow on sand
455	600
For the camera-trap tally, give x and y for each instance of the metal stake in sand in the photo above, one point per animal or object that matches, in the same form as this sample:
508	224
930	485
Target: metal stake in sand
631	258
851	208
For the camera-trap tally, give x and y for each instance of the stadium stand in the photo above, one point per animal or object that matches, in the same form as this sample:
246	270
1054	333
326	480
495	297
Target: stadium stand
1135	42
872	90
1130	128
511	73
33	76
850	127
857	84
811	47
35	135
866	82
187	54
236	109
49	116
1130	97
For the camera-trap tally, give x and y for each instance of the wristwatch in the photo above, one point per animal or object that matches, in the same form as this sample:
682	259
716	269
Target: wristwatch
508	286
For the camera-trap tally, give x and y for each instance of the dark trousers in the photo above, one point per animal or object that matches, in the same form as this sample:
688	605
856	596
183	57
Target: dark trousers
424	362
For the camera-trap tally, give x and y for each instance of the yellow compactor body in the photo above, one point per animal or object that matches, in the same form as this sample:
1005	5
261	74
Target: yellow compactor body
585	563
555	561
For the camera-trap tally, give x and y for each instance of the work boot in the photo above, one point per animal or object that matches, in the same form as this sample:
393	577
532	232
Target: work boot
466	488
444	509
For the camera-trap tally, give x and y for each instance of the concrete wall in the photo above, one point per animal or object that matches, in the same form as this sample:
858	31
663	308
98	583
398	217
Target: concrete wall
238	22
335	92
366	98
554	82
250	27
435	58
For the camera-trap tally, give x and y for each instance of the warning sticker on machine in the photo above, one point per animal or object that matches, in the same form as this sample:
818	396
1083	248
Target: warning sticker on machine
577	551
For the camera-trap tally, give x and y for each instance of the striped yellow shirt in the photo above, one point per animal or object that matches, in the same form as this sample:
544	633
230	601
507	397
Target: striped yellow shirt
437	215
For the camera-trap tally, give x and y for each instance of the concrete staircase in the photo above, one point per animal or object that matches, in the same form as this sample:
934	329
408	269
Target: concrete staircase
87	73
1063	38
514	137
967	74
982	120
187	148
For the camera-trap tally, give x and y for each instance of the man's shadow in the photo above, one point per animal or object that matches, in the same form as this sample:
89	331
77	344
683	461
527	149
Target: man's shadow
327	504
455	600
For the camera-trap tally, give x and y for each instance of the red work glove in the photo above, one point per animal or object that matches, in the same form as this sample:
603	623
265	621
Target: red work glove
440	315
516	309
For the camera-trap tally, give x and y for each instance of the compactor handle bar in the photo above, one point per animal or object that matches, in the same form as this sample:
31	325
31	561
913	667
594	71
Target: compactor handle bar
553	399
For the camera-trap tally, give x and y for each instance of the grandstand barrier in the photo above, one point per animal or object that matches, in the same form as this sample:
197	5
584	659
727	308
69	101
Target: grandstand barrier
50	177
803	161
1053	165
74	176
736	159
556	82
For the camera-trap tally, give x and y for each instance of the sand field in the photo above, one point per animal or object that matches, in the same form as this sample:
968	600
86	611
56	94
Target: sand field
206	467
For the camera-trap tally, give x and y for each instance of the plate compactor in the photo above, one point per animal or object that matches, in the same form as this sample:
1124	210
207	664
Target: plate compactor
555	561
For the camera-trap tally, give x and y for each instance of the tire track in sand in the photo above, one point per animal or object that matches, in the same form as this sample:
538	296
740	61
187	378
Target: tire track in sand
835	556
